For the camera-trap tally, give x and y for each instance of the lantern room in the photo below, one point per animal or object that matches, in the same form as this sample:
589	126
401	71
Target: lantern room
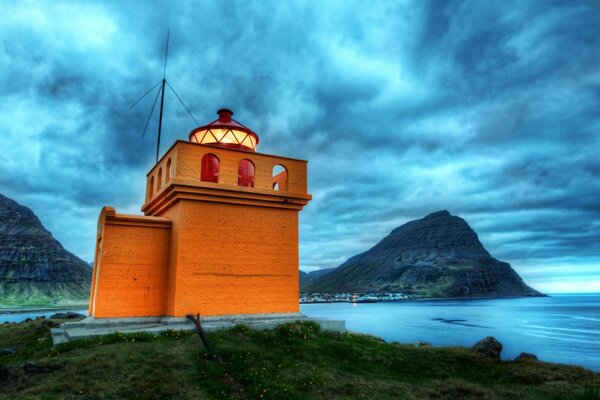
225	132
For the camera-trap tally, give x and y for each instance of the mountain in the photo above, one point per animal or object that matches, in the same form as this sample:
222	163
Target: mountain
307	278
437	256
34	267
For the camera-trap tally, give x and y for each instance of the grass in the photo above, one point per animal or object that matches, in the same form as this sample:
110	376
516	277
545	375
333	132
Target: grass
42	294
294	361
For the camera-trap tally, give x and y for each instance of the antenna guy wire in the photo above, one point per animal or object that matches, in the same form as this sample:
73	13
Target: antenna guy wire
145	94
182	103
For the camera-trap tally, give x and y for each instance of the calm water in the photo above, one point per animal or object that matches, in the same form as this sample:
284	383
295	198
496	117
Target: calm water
560	328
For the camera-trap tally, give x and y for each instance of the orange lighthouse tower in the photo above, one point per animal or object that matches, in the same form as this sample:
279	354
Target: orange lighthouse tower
219	234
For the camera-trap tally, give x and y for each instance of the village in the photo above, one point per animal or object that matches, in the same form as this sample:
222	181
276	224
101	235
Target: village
350	297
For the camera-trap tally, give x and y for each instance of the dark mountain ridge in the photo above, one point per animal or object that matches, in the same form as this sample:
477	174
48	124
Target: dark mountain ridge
307	278
436	256
35	269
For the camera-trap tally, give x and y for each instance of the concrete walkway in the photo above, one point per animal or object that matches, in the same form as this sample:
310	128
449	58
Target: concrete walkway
94	327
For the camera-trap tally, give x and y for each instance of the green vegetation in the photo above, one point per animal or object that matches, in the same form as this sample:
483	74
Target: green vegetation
42	294
294	361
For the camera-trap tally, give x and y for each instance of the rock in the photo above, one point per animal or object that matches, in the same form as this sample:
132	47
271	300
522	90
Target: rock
31	367
33	264
526	357
67	315
50	324
4	373
488	347
28	320
35	368
421	343
7	351
436	256
40	317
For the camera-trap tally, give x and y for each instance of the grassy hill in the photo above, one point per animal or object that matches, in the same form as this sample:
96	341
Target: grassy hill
295	361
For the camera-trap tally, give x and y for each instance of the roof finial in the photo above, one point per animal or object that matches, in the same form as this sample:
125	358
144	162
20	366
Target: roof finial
225	114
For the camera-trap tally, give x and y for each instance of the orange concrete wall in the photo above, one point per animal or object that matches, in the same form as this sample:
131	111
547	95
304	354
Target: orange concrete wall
233	259
171	278
130	269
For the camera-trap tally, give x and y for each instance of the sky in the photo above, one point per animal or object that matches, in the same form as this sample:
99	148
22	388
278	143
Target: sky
487	109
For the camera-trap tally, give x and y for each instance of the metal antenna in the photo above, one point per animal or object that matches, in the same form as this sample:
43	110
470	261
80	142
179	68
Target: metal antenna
162	96
163	83
150	115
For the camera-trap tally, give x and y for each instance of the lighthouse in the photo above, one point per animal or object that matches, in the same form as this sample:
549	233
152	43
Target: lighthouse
218	235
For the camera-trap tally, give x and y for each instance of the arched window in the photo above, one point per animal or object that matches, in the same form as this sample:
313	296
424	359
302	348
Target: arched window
246	173
168	171
280	178
159	180
151	188
210	168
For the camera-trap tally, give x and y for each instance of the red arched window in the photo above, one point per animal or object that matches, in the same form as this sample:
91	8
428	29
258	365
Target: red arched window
210	168
168	171
151	188
159	181
246	173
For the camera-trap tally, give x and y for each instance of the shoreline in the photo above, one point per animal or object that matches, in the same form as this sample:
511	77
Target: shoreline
24	309
432	299
478	298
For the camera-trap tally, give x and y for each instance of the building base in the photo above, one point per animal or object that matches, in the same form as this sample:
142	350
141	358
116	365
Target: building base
91	326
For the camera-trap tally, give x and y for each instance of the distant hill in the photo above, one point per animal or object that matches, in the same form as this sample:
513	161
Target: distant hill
437	256
307	278
34	267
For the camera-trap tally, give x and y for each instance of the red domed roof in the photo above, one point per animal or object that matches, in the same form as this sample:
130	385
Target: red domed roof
225	132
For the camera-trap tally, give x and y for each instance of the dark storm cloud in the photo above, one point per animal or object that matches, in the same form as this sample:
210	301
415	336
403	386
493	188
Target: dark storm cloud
487	109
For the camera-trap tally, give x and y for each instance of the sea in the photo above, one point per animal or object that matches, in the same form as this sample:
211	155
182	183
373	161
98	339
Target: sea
561	328
558	328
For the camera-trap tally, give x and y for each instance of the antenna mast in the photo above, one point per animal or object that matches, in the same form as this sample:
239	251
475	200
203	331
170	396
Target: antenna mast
162	97
163	84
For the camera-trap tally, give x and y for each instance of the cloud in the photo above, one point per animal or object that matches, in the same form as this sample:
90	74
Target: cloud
487	109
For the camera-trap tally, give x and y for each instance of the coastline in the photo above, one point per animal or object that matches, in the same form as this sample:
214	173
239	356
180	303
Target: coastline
476	298
77	306
25	309
435	299
462	321
557	328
